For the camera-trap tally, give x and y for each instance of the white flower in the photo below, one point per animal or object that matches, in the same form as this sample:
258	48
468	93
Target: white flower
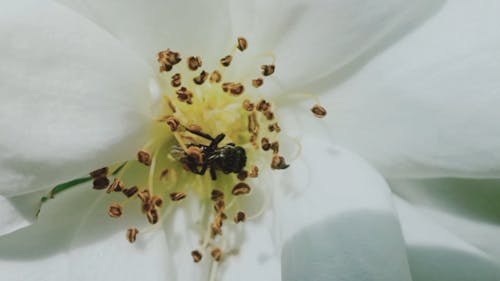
74	98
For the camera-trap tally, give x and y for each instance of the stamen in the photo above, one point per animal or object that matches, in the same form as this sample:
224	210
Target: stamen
194	63
116	186
132	234
279	163
226	61
200	79
241	189
176	80
318	111
115	210
197	256
152	216
254	172
247	105
99	173
215	77
217	195
144	157
177	196
267	69
239	217
257	82
129	192
242	43
100	183
265	144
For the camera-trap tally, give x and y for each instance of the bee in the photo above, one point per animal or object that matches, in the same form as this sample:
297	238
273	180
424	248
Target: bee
228	158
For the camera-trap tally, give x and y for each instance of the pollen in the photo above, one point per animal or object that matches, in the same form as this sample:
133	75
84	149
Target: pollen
214	130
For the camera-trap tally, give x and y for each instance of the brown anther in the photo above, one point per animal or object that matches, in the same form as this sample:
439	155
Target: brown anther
216	226
156	201
318	111
197	256
239	217
237	89
164	174
279	163
275	146
99	173
165	67
269	115
254	172
100	183
257	82
115	210
176	80
144	157
215	77
184	95
146	207
253	125
226	61
265	144
247	105
267	69
177	196
144	196
219	206
274	128
242	43
196	153
217	195
200	79
129	192
240	189
132	234
242	175
171	106
194	63
216	254
167	59
152	216
172	122
117	186
263	106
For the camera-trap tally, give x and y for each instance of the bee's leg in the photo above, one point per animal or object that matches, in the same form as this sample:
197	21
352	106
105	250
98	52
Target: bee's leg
201	134
203	169
213	175
217	140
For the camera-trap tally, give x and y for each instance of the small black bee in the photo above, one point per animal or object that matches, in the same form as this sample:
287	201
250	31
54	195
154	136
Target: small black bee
228	158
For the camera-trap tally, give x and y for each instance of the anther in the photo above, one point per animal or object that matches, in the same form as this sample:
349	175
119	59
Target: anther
115	210
129	192
99	173
197	256
216	254
279	163
200	79
274	128
116	186
164	174
275	146
144	157
219	206
239	217
240	189
194	63
269	115
247	105
263	106
215	77
132	234
167	59
144	196
156	201
267	69
100	183
177	196
233	88
242	175
172	122
152	216
254	172
184	95
176	80
242	43
217	195
253	125
257	82
318	111
226	61
265	144
196	153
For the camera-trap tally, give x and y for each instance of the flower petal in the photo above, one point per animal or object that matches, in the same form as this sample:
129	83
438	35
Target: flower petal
428	107
192	27
74	239
434	252
313	39
343	226
73	100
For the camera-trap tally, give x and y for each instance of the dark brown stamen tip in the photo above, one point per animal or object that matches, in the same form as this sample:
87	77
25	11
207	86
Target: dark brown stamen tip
172	122
318	111
115	210
177	196
197	256
268	69
194	63
144	195
217	195
164	174
156	201
226	61
215	77
247	105
242	44
99	173
100	183
274	128
132	234
216	254
257	82
265	144
263	106
116	186
184	95
200	79
279	163
241	189
242	175
153	216
144	157
275	146
254	172
176	80
129	192
240	217
269	115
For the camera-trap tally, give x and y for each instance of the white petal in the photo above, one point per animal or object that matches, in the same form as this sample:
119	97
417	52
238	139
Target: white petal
343	226
312	39
190	27
73	99
469	208
74	239
428	106
437	254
